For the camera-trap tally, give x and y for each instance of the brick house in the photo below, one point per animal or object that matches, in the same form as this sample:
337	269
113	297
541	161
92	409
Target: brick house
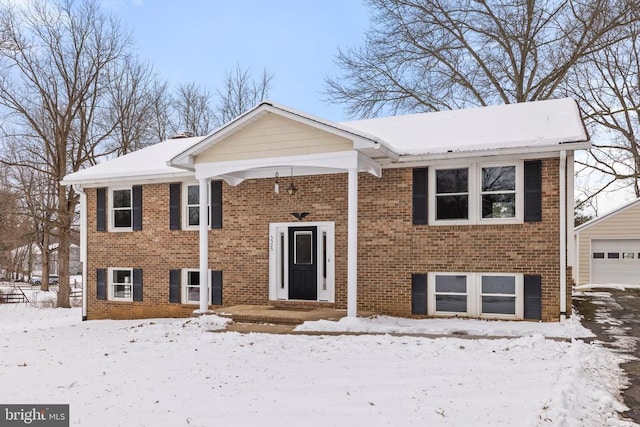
456	213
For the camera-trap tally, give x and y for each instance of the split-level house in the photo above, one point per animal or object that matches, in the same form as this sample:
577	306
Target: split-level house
458	213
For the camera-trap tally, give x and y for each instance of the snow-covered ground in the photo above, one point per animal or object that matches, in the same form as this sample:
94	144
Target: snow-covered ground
176	372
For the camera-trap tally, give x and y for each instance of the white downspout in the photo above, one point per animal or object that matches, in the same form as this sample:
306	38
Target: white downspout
352	244
83	245
563	235
204	246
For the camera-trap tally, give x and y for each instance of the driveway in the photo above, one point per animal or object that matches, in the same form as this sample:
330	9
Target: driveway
614	316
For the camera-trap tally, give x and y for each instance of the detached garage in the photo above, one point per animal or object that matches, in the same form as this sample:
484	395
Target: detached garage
608	248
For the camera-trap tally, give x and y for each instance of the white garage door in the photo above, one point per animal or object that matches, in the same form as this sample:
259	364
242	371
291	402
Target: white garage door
615	261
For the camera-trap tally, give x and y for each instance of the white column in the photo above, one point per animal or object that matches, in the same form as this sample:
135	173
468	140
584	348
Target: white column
204	245
352	245
563	234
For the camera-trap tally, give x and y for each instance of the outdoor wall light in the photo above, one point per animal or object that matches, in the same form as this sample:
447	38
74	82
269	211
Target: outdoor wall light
276	186
292	189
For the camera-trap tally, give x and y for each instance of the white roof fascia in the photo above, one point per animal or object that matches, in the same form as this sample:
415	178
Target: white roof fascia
614	212
360	140
554	148
133	179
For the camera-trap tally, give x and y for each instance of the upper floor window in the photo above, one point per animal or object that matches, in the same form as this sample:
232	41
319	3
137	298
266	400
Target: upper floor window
452	193
476	193
498	192
121	209
192	206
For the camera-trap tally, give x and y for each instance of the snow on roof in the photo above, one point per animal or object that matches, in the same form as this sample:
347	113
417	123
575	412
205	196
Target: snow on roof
529	124
149	163
539	125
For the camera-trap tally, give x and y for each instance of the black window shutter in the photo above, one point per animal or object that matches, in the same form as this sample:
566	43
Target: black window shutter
418	294
101	209
420	196
175	205
533	191
216	204
101	280
137	284
533	297
174	286
216	287
137	207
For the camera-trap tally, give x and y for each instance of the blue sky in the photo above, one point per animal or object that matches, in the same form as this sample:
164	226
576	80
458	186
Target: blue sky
199	40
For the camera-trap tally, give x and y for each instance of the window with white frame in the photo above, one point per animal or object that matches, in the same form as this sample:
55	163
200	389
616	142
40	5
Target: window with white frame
498	294
192	206
121	284
191	286
489	295
477	193
498	192
451	293
121	209
452	193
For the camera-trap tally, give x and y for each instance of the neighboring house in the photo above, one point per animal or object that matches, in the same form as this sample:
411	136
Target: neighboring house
28	259
608	247
456	213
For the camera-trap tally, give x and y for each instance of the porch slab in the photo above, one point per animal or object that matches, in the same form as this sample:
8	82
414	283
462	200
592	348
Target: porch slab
280	316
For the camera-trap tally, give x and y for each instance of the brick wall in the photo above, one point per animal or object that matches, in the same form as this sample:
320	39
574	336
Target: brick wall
390	248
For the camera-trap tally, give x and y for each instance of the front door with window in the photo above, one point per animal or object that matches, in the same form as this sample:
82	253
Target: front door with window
303	263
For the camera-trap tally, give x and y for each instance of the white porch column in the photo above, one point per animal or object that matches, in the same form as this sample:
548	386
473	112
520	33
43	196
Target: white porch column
352	245
204	245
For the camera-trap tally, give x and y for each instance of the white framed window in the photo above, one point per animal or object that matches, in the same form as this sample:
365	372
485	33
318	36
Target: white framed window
498	192
191	205
451	293
485	295
120	284
499	295
191	286
121	209
476	194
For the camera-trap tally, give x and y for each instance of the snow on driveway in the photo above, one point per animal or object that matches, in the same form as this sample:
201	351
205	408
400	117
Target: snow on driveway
175	372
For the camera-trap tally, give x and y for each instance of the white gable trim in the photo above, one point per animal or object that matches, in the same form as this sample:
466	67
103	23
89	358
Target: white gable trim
186	159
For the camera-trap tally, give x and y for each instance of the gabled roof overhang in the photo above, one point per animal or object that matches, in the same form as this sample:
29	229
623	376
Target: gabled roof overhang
368	145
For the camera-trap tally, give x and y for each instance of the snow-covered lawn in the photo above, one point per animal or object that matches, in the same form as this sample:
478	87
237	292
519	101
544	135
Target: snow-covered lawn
176	372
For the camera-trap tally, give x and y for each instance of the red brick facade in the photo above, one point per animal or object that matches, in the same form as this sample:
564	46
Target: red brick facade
390	248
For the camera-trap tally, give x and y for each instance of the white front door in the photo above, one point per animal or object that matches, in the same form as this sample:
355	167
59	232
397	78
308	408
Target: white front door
280	259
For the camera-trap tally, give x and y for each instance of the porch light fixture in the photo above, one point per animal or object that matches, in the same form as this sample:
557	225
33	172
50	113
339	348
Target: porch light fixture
292	189
276	186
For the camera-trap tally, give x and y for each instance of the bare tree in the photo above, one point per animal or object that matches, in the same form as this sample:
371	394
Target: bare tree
240	92
193	109
427	55
132	94
608	89
196	110
52	82
161	111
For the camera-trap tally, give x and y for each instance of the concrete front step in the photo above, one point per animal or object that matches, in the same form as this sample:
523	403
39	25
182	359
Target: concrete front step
265	314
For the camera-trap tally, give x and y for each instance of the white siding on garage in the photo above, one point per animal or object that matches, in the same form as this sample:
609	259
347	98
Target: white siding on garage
622	224
615	261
